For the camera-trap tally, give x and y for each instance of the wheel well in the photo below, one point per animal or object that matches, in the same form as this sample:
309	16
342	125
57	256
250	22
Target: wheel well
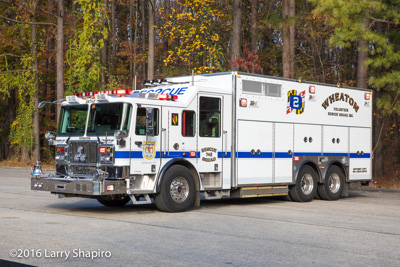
190	167
340	166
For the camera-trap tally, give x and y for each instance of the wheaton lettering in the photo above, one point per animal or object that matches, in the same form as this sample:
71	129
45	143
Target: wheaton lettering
340	97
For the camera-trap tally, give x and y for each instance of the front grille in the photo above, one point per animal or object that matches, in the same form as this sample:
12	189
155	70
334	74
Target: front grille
88	153
79	169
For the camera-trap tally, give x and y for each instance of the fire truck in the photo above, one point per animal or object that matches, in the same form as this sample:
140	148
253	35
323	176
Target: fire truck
185	139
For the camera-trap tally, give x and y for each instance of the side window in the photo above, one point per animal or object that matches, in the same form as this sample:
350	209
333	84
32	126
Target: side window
210	117
188	123
140	128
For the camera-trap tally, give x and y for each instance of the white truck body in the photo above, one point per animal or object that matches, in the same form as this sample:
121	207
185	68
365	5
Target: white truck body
238	134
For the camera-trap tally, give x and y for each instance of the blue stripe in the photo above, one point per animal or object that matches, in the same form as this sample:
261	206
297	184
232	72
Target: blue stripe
355	156
224	155
244	155
263	155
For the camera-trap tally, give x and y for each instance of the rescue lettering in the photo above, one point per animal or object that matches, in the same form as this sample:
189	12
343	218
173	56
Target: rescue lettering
340	97
209	149
208	154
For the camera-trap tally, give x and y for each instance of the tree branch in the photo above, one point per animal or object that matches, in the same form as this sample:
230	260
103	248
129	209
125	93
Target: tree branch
383	21
30	23
12	71
11	55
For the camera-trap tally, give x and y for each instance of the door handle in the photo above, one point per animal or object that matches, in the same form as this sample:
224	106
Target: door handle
139	143
225	144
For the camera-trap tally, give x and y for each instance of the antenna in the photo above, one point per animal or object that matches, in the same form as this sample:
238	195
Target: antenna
192	77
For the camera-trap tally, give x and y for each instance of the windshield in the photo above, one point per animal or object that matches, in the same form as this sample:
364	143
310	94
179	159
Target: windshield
72	120
109	117
104	117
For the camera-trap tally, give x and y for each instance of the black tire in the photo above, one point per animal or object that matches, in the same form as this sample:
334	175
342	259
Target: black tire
177	190
334	183
114	201
305	188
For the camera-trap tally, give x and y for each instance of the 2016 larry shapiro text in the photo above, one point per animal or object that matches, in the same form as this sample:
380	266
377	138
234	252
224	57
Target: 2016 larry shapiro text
64	254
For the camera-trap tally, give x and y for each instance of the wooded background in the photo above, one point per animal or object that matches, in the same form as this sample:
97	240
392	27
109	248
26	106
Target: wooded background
50	48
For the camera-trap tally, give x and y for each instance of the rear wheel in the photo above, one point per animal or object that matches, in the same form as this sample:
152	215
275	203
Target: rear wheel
305	188
114	201
177	191
334	182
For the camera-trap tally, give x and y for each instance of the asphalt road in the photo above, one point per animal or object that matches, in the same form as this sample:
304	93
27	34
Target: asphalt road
37	228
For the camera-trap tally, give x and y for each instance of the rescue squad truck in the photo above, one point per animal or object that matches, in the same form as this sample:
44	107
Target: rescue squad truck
217	135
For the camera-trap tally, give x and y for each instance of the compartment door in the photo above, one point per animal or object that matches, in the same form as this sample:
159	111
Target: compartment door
254	152
283	153
336	141
360	154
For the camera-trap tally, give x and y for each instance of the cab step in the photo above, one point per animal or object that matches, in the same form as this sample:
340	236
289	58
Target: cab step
260	191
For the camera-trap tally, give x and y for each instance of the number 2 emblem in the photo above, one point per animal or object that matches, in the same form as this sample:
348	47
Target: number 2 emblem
296	102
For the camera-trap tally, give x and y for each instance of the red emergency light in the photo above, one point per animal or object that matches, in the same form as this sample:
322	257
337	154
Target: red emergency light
312	89
243	102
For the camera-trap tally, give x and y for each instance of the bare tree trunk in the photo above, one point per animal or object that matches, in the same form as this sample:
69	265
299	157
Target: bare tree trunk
378	170
237	25
143	39
36	131
103	55
165	41
131	37
362	70
12	114
150	61
285	40
134	46
111	53
288	38
60	55
253	25
292	35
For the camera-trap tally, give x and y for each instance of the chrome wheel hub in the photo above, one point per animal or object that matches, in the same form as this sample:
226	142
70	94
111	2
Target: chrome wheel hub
334	183
179	189
307	184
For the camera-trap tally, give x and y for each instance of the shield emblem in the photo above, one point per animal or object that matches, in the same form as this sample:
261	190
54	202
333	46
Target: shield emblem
149	151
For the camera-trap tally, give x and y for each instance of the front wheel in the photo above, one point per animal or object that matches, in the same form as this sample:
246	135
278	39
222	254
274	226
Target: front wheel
177	191
305	188
334	182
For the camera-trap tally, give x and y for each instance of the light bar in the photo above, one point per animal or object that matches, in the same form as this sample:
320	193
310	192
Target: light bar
100	95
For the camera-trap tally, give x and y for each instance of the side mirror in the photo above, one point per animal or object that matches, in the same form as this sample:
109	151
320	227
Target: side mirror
42	104
149	122
51	136
120	135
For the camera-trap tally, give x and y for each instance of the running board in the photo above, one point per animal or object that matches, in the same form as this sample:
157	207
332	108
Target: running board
218	194
261	191
137	201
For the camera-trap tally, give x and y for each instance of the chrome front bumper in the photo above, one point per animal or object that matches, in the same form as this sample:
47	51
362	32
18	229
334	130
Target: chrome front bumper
77	186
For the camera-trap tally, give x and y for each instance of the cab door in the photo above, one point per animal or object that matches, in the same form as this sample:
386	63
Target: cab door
145	149
210	140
